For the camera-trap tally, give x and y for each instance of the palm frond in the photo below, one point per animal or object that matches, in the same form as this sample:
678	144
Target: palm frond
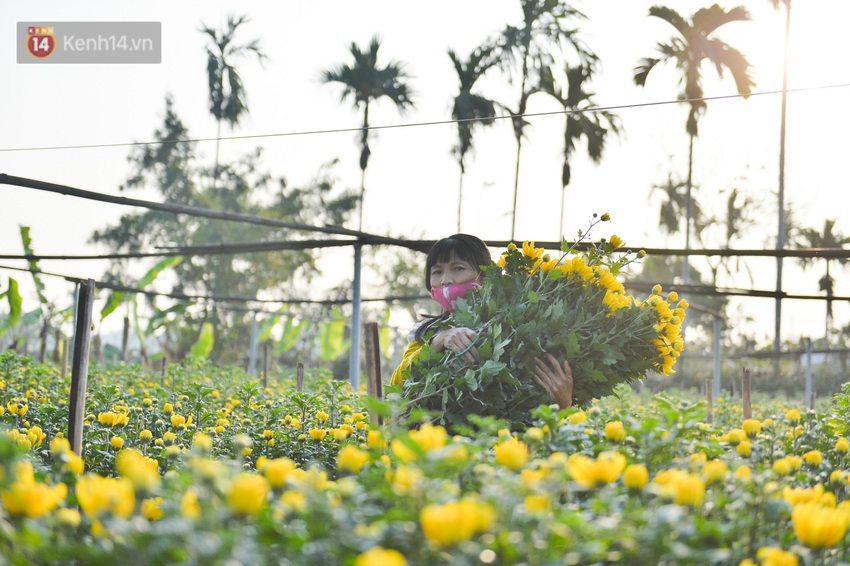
723	55
672	17
707	20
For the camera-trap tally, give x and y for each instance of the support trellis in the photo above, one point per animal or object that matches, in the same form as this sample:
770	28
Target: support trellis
356	239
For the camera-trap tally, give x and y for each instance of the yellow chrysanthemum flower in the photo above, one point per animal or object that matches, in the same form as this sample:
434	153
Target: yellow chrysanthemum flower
817	526
635	476
377	556
248	494
591	472
512	454
352	459
98	495
456	521
529	250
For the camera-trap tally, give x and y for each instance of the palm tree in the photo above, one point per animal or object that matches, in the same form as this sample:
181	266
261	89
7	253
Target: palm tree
470	109
740	216
829	238
533	47
228	101
366	82
781	230
670	213
689	49
581	121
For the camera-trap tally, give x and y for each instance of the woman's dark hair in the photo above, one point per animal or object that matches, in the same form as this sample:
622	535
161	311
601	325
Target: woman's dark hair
461	246
464	247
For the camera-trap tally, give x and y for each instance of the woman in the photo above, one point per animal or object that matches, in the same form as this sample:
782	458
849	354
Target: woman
453	268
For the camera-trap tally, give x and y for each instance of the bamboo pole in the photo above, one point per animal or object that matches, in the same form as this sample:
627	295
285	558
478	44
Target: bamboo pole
80	366
745	393
299	380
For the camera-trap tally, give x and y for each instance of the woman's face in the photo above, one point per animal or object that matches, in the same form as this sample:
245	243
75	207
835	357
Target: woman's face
452	272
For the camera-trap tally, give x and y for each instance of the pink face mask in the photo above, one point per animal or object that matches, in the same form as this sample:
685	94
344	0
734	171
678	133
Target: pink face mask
446	296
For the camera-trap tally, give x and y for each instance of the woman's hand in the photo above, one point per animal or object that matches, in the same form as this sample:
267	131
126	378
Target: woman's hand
557	380
457	340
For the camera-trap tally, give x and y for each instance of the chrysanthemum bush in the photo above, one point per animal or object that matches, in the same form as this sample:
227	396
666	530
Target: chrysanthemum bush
627	479
571	306
159	415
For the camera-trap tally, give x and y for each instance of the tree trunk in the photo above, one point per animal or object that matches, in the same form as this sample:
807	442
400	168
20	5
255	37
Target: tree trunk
828	307
686	269
42	349
460	195
57	350
364	141
517	124
516	187
217	146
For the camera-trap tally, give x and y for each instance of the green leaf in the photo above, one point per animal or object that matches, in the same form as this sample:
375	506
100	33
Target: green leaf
332	336
572	344
157	269
533	297
113	302
291	333
267	327
33	264
15	302
160	317
203	347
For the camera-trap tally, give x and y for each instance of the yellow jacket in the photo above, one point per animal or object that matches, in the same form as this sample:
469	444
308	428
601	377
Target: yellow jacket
403	369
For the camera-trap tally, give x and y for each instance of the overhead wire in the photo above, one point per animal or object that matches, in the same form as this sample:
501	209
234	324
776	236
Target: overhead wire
417	245
693	289
564	112
212	298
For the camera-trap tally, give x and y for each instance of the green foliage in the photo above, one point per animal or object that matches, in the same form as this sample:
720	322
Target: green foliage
155	271
203	347
292	330
113	302
318	509
175	172
15	302
26	239
841	404
332	336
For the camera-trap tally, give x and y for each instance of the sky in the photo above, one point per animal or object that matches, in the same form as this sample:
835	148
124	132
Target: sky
412	178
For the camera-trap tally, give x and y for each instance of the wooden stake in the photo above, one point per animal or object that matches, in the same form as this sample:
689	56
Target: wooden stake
80	366
299	372
162	368
745	393
66	347
57	356
373	361
266	361
373	366
709	397
125	340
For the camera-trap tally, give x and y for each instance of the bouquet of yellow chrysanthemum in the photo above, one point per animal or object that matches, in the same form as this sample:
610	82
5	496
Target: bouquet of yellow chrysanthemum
572	307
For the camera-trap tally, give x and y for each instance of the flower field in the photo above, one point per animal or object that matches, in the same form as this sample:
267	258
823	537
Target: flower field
205	466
